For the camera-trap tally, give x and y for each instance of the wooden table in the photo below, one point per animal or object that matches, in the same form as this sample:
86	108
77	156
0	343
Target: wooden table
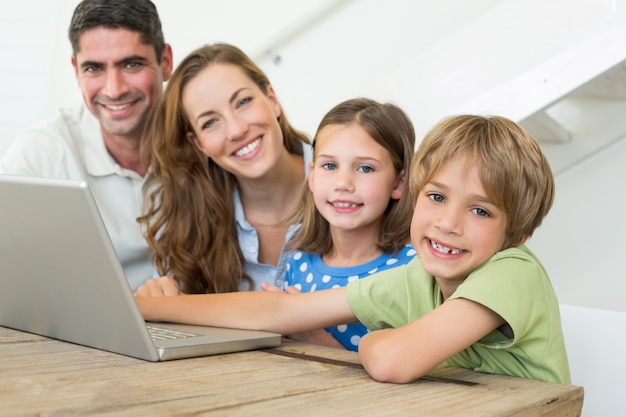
46	377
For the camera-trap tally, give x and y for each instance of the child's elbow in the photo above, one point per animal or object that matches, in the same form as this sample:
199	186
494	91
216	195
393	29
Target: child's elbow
385	372
382	363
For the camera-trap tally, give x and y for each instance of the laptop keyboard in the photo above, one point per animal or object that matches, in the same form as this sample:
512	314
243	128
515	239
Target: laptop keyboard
159	333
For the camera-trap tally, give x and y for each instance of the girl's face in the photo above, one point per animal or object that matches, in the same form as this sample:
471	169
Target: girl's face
234	123
352	178
456	227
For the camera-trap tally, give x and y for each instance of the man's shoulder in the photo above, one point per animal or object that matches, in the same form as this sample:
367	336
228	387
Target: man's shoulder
44	147
64	118
56	129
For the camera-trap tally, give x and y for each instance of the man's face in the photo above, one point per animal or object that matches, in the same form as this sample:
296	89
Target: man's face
120	78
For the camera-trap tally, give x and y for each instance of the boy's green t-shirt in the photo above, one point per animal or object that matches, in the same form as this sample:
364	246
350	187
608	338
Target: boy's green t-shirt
512	283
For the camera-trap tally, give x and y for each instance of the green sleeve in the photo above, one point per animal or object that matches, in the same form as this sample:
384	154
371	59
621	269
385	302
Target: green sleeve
514	285
394	297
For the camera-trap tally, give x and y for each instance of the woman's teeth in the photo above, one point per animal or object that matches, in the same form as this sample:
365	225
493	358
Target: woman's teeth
249	148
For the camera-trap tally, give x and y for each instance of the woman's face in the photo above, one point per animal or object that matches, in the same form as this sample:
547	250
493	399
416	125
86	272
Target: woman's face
234	122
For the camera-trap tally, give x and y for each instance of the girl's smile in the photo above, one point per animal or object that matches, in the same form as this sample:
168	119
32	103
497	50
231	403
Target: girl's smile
352	179
345	206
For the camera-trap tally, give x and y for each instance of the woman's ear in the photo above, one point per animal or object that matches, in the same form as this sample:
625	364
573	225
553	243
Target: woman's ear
309	177
271	95
398	188
193	139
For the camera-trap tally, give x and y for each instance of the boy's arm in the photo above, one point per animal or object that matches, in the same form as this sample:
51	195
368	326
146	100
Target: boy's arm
318	336
271	311
406	353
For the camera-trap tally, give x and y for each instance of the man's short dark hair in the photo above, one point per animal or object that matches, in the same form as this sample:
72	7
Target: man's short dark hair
136	15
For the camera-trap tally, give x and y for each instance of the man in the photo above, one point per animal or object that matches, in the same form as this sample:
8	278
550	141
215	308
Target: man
120	61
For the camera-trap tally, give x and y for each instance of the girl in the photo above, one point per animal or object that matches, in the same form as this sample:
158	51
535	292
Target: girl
226	165
355	214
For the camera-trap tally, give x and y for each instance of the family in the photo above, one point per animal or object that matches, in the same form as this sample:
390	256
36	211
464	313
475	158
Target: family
224	214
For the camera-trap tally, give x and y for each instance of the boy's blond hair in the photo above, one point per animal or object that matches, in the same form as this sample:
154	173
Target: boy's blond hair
512	168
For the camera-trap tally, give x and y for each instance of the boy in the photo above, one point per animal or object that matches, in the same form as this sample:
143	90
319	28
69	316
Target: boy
475	297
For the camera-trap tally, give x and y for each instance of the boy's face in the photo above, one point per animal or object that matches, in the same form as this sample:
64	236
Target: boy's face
455	226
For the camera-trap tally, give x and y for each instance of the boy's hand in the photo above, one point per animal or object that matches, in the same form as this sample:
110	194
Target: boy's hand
160	287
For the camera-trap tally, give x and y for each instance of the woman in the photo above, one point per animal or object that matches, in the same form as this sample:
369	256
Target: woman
226	168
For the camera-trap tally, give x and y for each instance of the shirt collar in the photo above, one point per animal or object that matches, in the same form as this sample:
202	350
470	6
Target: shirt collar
98	160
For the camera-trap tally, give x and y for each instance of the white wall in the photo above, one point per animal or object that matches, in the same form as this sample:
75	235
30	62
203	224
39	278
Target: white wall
434	59
37	74
27	62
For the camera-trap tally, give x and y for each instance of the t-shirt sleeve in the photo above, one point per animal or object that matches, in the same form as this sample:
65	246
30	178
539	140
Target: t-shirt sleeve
391	298
513	286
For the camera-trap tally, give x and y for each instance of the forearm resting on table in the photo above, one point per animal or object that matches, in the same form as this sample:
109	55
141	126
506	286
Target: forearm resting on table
408	352
221	310
270	311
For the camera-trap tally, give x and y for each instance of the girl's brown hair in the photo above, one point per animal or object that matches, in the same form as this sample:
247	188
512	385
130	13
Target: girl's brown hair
390	127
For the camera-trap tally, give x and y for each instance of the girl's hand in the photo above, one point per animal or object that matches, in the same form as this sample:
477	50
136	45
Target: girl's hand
270	288
158	287
273	288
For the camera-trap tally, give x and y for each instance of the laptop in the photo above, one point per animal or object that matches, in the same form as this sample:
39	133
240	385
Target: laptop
60	277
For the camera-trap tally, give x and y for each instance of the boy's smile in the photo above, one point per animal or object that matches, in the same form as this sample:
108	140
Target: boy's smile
456	227
445	249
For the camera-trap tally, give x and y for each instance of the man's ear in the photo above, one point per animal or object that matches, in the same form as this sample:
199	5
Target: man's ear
167	62
75	66
398	189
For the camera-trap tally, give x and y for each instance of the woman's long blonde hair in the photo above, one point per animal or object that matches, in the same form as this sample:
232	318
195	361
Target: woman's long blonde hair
189	218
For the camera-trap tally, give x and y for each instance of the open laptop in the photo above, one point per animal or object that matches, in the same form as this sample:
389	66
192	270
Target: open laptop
60	277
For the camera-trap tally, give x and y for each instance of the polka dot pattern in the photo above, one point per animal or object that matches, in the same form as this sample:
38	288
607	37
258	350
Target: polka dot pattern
307	272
